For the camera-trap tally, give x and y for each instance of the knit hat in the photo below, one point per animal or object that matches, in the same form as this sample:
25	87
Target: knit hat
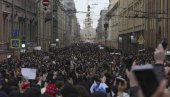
51	90
25	85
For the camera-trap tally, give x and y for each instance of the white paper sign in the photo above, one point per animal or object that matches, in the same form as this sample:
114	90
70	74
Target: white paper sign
101	48
28	73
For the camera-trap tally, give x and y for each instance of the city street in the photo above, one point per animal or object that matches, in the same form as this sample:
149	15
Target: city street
84	48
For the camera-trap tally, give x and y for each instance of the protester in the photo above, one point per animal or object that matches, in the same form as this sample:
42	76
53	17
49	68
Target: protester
80	70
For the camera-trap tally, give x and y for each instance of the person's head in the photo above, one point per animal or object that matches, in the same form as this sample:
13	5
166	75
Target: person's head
52	90
82	91
32	92
98	95
3	94
122	84
45	95
69	91
15	93
25	85
97	78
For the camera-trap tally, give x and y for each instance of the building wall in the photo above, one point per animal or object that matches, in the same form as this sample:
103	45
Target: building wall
100	29
157	24
130	24
147	18
113	26
44	18
168	22
24	21
68	29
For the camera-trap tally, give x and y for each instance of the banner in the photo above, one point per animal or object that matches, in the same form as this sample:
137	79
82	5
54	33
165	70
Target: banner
29	73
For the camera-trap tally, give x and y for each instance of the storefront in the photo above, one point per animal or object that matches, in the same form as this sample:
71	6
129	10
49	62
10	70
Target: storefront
128	42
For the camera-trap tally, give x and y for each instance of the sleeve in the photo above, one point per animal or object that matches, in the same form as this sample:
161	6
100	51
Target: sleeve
134	91
92	87
160	72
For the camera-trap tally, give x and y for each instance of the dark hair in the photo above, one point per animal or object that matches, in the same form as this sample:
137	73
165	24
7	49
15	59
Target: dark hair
15	93
69	91
45	95
3	94
97	78
32	92
82	91
98	95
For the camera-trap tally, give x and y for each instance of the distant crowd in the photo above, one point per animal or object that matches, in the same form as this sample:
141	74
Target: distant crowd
83	70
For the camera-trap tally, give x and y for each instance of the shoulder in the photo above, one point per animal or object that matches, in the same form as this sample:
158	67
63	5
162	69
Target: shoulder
125	94
3	94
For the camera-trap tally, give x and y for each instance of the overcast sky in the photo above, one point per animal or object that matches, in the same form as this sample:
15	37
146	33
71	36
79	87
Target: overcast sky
96	7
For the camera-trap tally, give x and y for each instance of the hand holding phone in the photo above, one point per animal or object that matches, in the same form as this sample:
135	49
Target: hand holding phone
147	79
164	44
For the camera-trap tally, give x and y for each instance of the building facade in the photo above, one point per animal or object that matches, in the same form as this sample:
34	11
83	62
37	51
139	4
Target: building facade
112	32
100	30
44	25
131	24
34	24
18	22
157	21
72	30
137	24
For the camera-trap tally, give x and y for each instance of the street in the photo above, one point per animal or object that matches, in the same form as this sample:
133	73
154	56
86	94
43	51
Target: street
84	48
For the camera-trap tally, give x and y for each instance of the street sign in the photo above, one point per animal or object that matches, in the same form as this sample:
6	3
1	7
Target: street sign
45	2
141	40
15	43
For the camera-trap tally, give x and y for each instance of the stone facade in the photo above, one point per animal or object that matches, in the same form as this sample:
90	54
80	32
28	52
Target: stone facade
36	25
136	18
157	25
131	24
112	33
70	28
44	27
17	16
100	31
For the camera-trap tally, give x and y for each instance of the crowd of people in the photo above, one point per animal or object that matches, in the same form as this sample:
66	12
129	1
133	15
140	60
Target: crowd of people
81	70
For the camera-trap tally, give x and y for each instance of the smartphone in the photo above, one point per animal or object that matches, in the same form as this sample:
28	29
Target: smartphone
164	44
147	79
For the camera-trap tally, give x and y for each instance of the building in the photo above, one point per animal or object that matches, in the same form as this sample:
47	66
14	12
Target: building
100	30
30	22
131	25
135	24
72	31
18	22
112	18
157	22
44	25
88	33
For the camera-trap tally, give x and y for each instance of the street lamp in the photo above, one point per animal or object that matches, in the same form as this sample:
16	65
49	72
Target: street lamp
23	45
106	25
57	41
